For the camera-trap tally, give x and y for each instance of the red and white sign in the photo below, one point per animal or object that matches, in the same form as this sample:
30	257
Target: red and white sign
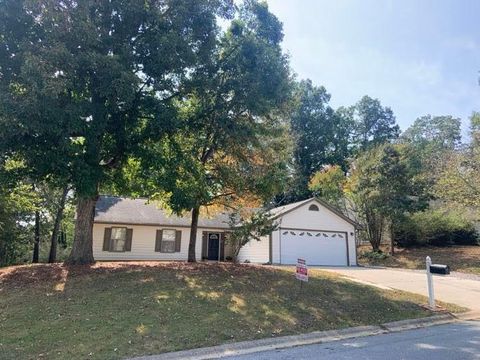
302	270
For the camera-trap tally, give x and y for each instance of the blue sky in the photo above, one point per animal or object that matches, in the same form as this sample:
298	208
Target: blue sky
417	56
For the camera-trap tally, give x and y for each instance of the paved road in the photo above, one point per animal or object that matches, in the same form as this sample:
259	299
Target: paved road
455	341
452	289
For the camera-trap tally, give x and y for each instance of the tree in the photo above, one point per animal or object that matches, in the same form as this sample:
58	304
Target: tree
459	180
432	138
374	124
52	256
322	135
233	145
18	203
383	187
83	84
328	184
434	133
248	226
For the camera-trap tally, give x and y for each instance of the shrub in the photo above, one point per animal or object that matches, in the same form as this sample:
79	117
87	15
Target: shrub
374	255
436	228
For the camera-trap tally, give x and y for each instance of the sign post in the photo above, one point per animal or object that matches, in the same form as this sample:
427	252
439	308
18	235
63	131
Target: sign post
301	271
431	294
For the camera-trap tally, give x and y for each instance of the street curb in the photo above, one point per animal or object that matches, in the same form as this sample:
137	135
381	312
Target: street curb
402	325
316	337
469	315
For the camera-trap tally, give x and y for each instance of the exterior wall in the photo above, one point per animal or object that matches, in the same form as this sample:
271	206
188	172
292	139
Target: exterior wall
143	243
256	251
143	238
324	219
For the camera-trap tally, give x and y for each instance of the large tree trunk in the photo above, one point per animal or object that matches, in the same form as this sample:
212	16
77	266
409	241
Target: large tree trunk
392	240
193	235
36	240
52	257
375	229
82	249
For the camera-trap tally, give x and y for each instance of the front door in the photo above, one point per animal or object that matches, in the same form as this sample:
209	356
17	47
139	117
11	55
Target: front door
213	246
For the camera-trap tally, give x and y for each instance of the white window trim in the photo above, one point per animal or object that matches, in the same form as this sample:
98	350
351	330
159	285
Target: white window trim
174	241
111	249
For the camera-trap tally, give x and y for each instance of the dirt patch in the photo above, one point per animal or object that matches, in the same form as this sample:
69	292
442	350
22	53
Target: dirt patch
27	275
460	258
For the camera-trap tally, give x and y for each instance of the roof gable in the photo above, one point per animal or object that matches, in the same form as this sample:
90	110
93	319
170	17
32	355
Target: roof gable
282	210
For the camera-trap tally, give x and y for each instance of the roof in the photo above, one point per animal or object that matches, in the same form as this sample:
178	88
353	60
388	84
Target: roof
120	210
282	210
276	212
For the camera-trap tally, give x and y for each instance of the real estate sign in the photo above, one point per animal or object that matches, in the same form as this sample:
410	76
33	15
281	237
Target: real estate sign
302	270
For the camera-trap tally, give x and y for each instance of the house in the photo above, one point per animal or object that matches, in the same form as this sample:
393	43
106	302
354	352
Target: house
133	229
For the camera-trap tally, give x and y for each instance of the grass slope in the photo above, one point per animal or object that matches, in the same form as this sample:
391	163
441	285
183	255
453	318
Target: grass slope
115	310
460	258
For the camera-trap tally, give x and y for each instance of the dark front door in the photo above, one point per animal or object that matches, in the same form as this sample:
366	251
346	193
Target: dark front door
213	246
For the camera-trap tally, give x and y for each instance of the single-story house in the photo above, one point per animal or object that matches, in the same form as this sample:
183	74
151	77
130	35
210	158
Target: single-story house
133	229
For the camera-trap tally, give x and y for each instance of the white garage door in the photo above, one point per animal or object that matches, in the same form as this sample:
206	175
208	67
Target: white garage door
316	247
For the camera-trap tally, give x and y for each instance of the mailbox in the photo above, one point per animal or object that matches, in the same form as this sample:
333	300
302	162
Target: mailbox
439	269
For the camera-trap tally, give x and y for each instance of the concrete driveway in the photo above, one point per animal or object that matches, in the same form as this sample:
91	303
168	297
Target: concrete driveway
450	288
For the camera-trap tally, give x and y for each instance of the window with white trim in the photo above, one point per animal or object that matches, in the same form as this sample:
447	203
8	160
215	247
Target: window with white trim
118	239
168	241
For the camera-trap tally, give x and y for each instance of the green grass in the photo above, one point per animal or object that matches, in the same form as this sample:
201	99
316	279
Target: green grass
114	310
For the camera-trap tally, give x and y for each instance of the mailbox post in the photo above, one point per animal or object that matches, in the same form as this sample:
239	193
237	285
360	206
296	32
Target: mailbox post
431	294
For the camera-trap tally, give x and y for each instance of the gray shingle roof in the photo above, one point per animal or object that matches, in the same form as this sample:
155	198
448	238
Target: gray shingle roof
120	210
286	208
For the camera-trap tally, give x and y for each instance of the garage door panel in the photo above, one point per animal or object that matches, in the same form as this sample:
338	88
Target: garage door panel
316	247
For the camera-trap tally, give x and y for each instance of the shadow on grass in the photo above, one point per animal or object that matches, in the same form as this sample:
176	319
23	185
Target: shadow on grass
113	310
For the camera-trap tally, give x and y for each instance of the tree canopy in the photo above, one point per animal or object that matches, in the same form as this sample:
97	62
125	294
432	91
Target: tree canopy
231	143
374	124
83	84
383	188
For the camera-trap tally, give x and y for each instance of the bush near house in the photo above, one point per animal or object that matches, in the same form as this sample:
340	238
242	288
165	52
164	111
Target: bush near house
436	228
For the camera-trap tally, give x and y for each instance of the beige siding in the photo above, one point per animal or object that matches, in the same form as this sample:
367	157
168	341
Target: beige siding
276	247
255	251
143	244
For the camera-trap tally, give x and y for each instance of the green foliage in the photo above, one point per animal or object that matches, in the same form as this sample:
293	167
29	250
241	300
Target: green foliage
325	136
232	142
374	255
328	184
248	227
437	228
459	180
431	134
17	205
322	134
83	85
18	201
374	124
383	187
432	140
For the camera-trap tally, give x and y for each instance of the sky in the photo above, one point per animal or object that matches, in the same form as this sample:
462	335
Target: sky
416	56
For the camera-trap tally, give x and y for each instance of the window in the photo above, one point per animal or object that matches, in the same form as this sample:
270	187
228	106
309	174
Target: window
168	241
313	207
118	239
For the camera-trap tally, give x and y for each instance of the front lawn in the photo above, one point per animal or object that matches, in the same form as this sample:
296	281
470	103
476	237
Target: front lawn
116	310
460	258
